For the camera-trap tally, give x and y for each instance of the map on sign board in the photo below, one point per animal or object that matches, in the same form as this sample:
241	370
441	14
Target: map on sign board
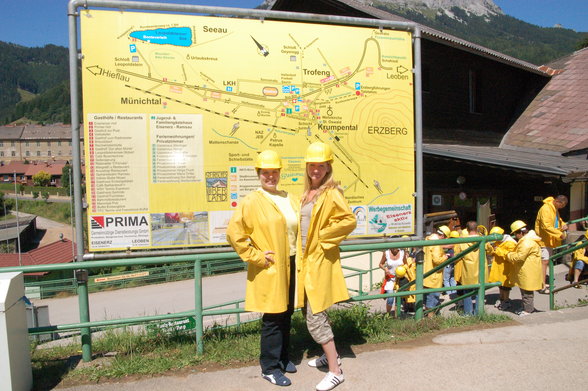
177	107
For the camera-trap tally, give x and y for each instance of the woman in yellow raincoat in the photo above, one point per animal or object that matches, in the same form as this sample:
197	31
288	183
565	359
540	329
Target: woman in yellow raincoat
263	231
526	259
501	270
325	220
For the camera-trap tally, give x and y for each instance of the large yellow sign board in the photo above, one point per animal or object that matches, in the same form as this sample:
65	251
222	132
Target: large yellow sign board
176	108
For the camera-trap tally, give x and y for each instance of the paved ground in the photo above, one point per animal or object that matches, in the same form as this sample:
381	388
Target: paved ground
49	231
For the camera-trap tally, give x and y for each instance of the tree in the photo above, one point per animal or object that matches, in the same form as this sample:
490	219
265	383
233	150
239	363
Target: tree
42	178
583	43
65	175
45	195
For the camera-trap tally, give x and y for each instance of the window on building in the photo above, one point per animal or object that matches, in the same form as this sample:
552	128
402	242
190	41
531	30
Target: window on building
70	143
1	153
59	153
1	143
12	143
27	144
59	143
38	153
13	153
48	143
475	91
48	153
28	153
38	143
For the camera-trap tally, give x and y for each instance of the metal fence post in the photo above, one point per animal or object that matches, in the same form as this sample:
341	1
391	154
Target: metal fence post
551	285
371	271
84	308
198	305
481	278
418	310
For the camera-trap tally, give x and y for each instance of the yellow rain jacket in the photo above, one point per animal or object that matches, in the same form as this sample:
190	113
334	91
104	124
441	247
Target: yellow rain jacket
502	271
526	259
546	222
410	276
258	226
434	256
320	276
468	265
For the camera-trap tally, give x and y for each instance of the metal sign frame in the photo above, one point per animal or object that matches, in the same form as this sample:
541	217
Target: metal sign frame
75	56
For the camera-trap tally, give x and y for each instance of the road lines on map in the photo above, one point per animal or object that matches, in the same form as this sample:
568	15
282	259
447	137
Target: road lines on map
211	111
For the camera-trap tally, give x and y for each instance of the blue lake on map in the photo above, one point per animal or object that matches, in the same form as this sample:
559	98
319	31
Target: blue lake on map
178	36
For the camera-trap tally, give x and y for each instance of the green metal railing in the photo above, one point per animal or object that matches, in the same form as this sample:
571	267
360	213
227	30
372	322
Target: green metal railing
560	252
154	275
200	312
552	289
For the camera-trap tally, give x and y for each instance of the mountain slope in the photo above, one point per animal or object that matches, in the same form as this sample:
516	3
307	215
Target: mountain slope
484	23
34	70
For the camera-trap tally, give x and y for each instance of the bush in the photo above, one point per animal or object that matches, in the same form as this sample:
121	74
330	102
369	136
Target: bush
42	178
45	195
35	194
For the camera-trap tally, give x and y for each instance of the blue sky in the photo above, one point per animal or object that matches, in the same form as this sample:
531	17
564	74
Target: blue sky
40	22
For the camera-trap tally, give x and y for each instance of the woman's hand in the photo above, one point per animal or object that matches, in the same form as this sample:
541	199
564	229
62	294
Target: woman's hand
269	260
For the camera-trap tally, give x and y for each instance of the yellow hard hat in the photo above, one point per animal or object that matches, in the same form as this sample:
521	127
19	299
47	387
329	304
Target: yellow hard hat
318	153
400	272
445	230
268	159
454	234
517	225
496	230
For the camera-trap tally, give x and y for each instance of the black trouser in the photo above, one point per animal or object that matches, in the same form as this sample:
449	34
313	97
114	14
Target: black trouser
275	331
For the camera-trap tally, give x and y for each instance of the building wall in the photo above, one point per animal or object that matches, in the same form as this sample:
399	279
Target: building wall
37	150
471	98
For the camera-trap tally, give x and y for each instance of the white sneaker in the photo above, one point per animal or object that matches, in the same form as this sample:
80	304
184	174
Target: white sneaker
497	304
330	381
321	361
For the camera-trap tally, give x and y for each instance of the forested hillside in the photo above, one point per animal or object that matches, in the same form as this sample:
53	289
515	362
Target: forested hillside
36	77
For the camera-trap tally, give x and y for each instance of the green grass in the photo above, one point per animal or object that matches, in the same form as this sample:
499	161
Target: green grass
122	353
57	211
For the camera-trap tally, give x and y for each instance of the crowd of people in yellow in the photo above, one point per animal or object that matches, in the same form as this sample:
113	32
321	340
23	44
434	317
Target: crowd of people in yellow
519	259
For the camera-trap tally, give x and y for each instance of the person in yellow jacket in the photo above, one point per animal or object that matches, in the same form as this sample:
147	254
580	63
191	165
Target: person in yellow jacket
325	220
579	264
263	231
501	271
526	259
470	270
552	230
458	265
434	256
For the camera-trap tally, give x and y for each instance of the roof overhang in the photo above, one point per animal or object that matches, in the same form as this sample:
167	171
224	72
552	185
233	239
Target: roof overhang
538	161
